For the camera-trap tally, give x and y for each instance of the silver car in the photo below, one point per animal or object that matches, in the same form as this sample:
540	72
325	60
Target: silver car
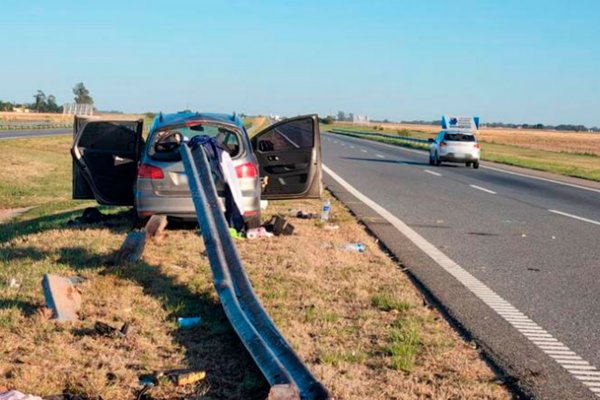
113	164
458	146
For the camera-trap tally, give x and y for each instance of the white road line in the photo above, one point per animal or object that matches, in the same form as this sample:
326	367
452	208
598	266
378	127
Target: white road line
483	189
351	146
477	287
432	172
591	221
379	155
539	178
363	150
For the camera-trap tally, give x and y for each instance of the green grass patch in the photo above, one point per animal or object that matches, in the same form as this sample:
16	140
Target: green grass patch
404	342
387	302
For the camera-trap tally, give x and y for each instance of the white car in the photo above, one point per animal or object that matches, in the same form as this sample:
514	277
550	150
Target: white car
458	146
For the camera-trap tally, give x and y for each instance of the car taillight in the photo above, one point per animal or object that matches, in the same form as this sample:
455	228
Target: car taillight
476	145
150	172
246	170
442	144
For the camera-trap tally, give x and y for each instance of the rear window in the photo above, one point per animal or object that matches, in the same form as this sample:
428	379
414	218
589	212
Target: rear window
227	138
459	137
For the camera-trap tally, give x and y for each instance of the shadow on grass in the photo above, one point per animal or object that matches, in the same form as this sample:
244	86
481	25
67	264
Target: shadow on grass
27	308
213	346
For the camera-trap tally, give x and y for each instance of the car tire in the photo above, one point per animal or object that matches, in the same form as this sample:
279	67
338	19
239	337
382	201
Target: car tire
431	160
475	164
468	164
438	162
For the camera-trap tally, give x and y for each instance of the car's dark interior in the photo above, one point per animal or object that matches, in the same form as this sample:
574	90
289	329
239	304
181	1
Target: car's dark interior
110	151
166	143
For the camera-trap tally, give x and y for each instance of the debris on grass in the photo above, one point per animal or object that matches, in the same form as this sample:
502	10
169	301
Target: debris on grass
156	226
188	322
109	331
132	248
61	297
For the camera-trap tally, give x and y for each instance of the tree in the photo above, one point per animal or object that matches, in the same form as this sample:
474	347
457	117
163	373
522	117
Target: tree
39	103
341	116
51	104
82	95
6	106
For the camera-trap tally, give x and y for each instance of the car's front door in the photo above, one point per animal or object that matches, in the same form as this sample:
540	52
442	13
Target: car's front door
105	157
289	158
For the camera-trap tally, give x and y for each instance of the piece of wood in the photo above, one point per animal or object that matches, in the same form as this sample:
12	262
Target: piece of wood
132	248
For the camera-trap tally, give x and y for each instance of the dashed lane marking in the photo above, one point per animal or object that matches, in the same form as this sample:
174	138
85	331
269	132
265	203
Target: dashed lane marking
563	355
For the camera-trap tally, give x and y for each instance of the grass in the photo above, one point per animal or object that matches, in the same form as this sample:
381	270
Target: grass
354	318
530	152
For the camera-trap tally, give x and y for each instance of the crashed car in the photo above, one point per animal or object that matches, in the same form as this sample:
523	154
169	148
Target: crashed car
113	164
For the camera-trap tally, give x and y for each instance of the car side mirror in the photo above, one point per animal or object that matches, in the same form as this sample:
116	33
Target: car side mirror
169	142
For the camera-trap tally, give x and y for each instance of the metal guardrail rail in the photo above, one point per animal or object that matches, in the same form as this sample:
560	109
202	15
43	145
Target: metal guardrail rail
278	362
21	127
405	138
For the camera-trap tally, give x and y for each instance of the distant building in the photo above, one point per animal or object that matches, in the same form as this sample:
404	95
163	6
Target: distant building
21	109
359	118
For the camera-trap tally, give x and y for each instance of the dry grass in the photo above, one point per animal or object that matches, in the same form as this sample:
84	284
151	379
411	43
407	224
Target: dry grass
6	116
354	318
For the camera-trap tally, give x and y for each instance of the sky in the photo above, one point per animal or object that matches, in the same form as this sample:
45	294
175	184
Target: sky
512	61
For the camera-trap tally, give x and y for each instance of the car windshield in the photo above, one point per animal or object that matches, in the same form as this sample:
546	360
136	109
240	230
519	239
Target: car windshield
459	137
227	138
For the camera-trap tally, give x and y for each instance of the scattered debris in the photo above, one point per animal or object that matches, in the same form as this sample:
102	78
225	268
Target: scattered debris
106	330
283	392
13	284
359	247
177	377
305	215
16	395
264	204
132	248
523	235
90	215
257	233
235	234
331	227
61	297
279	226
77	279
155	226
325	210
188	322
534	269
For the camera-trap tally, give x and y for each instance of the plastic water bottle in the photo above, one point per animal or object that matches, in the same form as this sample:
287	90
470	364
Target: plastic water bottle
358	247
325	211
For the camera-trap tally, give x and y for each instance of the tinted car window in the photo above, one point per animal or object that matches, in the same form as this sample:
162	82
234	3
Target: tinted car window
228	139
459	137
290	136
109	136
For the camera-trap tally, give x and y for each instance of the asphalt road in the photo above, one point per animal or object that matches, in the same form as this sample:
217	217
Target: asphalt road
535	243
32	133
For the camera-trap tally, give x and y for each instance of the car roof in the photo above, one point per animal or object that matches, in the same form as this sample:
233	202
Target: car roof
183	117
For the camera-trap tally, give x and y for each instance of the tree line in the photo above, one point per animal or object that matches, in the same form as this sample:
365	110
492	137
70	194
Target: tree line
47	104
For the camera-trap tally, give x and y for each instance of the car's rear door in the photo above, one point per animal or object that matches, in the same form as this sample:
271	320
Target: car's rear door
289	158
105	158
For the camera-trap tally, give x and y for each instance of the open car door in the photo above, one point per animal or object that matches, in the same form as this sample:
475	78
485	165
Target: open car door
289	158
105	159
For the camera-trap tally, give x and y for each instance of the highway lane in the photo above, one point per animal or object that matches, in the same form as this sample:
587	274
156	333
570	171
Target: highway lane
18	134
498	227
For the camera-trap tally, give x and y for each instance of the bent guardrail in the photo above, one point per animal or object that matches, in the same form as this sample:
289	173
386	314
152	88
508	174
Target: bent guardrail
278	362
362	133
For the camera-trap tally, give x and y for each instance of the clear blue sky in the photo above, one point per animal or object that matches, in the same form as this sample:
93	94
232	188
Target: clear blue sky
512	61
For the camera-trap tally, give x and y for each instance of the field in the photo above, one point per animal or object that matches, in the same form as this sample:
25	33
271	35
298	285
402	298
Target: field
566	153
355	318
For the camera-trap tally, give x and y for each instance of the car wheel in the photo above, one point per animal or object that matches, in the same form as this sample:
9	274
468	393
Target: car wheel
475	164
468	164
438	162
431	160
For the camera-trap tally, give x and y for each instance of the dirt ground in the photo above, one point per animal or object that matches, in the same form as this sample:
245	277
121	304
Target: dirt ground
355	318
